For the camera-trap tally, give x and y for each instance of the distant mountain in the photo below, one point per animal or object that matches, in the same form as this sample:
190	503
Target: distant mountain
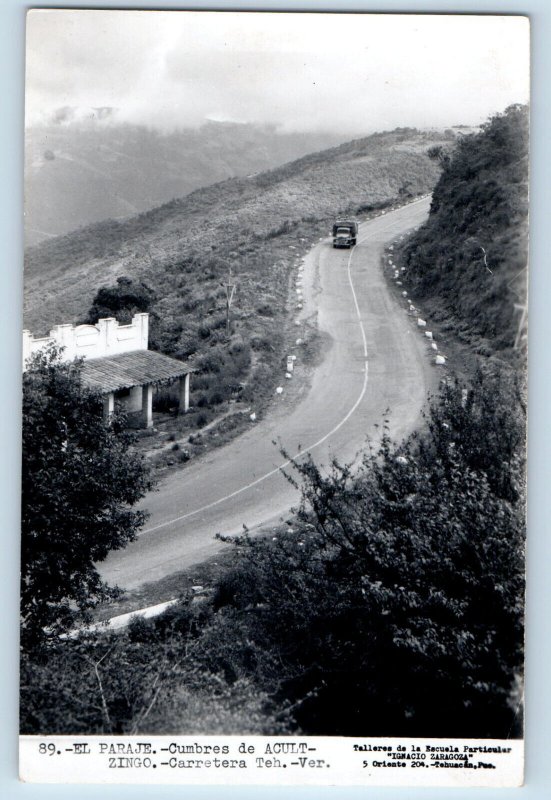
81	171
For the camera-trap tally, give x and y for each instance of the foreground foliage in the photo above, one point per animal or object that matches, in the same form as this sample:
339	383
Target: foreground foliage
394	605
79	484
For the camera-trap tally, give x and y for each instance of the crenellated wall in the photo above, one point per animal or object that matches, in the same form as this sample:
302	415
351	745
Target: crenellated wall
107	338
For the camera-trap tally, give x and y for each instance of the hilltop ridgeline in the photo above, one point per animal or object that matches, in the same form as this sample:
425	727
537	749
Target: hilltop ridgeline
228	222
255	227
82	171
468	263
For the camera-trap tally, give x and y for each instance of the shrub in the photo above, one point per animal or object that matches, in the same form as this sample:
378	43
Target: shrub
265	310
121	301
400	583
395	585
260	343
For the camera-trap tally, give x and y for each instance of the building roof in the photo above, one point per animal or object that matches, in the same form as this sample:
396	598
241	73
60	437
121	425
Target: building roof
138	368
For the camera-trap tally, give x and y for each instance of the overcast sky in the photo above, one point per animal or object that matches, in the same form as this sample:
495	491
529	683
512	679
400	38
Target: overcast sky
346	73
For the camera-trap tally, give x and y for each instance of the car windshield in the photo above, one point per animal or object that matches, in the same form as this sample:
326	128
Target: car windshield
343	231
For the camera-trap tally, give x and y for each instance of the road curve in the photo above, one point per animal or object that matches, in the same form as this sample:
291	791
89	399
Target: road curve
376	361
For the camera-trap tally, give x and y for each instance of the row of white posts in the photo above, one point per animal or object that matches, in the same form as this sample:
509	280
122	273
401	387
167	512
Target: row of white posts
421	323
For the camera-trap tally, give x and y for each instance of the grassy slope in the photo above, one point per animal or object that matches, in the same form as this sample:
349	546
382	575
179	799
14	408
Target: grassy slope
258	226
468	263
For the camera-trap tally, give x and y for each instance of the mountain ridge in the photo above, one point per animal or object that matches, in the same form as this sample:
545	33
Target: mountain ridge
86	171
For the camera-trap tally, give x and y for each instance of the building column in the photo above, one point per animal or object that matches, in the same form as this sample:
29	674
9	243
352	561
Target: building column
108	406
183	401
147	405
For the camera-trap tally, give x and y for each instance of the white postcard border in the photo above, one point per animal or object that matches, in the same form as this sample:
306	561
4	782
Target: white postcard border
272	760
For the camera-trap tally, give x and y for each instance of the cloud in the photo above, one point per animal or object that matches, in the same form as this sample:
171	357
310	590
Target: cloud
338	72
63	114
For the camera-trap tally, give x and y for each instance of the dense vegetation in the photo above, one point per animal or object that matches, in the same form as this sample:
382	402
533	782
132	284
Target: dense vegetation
121	301
393	607
79	483
471	256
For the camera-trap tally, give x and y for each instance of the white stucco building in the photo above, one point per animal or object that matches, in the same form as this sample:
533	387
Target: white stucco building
117	363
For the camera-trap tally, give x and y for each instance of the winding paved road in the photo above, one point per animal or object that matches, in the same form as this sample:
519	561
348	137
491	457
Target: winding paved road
376	360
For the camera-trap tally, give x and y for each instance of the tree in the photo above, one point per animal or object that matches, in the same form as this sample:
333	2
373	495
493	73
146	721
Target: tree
393	605
439	154
121	301
80	481
396	605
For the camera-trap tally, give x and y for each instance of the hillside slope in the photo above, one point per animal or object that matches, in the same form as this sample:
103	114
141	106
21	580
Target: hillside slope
256	228
468	263
85	171
62	274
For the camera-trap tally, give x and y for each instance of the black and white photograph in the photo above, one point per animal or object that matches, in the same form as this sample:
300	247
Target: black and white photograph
274	397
